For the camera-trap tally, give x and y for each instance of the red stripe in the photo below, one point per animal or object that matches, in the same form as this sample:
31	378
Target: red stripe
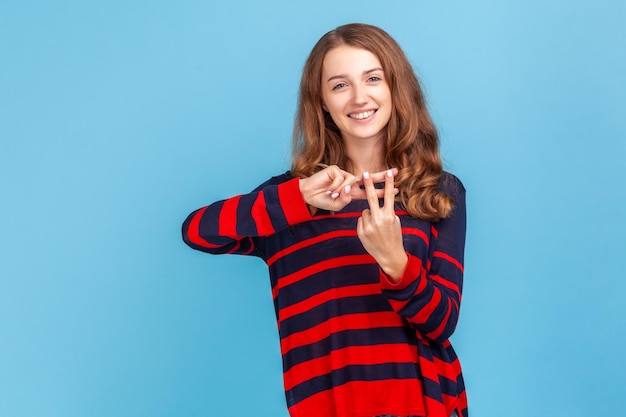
434	231
460	403
193	232
449	370
435	408
338	215
428	369
351	355
319	267
309	242
452	402
449	259
422	316
292	203
228	217
413	271
338	324
261	216
446	283
320	404
416	232
331	294
351	214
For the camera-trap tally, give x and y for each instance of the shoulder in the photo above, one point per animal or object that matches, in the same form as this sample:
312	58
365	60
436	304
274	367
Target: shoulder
276	180
451	185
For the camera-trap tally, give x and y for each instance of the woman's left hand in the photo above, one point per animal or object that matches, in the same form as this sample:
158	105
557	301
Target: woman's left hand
380	231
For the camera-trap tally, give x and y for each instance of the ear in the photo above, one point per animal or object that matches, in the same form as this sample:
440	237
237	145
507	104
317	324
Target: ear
324	107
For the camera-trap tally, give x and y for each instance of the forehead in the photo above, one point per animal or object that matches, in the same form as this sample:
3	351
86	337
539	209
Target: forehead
348	60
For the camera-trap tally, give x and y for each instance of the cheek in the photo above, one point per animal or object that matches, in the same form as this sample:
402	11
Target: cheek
334	107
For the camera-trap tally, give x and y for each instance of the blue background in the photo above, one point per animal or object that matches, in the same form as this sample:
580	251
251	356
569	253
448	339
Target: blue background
117	119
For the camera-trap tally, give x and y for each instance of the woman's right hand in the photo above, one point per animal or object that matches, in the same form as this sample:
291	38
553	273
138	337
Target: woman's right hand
333	188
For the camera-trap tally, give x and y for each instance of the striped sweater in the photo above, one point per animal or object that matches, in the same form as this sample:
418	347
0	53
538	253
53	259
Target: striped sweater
353	343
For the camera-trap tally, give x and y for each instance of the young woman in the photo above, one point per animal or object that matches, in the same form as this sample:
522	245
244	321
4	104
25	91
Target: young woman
363	237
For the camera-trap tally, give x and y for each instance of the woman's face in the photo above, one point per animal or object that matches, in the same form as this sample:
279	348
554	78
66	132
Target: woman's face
355	93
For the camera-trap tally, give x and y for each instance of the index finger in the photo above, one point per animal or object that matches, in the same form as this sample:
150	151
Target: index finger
390	195
370	191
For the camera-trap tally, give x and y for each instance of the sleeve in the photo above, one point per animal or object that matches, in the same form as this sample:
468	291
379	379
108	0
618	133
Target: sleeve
428	294
233	225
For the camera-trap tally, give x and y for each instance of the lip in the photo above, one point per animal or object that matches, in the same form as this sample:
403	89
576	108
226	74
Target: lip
364	114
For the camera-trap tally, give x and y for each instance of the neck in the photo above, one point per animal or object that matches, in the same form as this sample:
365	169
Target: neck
365	155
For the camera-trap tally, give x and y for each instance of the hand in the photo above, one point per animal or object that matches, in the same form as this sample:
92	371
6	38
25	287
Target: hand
379	228
333	188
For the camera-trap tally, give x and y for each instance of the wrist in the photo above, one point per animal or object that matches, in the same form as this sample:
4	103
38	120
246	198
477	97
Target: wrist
302	183
395	267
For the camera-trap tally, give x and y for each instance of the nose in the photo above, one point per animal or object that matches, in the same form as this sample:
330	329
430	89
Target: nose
359	95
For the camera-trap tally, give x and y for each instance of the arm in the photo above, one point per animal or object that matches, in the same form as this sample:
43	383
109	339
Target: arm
428	294
230	226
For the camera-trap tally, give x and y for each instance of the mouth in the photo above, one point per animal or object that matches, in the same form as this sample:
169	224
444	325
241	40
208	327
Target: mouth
362	115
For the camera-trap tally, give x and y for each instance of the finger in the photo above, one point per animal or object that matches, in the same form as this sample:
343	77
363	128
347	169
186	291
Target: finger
344	188
337	177
362	221
358	193
389	198
380	176
370	192
345	196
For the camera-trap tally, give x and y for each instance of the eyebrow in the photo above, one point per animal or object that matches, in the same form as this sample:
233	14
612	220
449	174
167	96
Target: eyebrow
345	76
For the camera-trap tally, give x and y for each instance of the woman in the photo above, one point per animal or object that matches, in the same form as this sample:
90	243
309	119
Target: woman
366	279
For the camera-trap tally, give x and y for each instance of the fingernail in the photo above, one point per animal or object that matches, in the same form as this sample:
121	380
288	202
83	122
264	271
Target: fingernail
347	189
328	192
389	173
335	195
366	175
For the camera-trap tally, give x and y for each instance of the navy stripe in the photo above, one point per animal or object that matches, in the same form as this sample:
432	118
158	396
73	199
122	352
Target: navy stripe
209	230
432	389
246	226
326	280
460	383
340	340
334	308
209	226
319	252
352	373
438	315
448	386
445	354
419	302
277	216
426	350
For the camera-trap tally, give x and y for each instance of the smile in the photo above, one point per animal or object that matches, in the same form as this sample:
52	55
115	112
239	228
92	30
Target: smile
361	116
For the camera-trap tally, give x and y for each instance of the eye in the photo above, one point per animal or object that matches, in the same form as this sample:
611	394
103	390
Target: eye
339	85
374	79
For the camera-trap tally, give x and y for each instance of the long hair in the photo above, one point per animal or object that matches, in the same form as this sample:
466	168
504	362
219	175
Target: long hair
410	142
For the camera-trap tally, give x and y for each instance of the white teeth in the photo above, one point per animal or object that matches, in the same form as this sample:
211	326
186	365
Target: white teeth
361	116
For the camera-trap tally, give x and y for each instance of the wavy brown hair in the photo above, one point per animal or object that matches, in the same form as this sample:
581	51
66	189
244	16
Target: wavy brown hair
410	142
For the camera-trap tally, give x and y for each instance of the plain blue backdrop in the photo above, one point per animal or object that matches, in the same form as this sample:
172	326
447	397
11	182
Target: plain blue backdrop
117	119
